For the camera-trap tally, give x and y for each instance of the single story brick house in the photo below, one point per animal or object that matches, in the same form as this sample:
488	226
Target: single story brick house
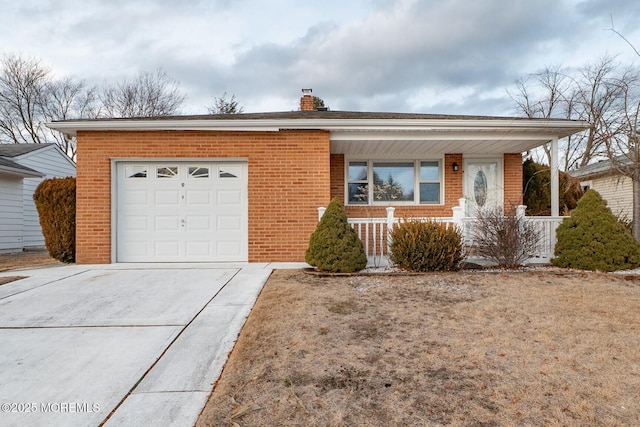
247	187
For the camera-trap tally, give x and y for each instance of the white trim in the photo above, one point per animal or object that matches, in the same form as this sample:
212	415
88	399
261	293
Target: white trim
178	159
273	125
555	178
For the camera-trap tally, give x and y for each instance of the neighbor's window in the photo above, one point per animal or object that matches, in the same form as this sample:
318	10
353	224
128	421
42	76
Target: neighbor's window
388	182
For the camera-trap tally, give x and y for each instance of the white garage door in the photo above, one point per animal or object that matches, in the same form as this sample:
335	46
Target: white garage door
168	212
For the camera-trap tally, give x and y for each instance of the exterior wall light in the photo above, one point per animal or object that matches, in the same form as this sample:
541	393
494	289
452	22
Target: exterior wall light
454	166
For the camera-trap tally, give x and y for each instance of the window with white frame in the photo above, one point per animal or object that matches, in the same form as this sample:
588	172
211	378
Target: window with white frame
390	182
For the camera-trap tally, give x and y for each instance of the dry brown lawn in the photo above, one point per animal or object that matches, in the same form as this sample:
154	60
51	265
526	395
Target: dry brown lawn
23	260
464	349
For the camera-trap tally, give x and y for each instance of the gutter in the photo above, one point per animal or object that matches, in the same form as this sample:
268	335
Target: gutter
274	125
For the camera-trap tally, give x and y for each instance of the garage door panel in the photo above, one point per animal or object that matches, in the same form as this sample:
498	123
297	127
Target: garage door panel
228	250
167	223
229	198
167	248
135	198
135	223
198	223
229	223
198	197
136	249
167	198
181	212
199	249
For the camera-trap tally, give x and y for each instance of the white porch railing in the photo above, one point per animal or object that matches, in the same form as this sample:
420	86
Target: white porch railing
374	232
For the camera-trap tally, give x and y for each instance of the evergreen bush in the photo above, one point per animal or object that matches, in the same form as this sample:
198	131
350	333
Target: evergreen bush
592	238
426	246
334	246
55	201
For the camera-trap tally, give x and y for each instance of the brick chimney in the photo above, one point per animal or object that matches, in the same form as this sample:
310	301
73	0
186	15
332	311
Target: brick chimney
306	102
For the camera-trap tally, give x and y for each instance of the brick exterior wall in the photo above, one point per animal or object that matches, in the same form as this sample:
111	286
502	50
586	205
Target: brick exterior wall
512	180
452	190
288	179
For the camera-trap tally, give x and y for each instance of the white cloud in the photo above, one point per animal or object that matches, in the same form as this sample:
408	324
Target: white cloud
450	56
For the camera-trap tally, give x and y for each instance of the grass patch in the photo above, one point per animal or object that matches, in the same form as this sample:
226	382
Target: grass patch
488	349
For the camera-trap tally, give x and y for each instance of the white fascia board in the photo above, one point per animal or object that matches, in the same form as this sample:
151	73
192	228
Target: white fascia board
274	125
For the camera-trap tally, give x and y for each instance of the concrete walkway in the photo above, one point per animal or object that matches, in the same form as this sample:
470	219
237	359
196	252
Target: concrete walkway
122	344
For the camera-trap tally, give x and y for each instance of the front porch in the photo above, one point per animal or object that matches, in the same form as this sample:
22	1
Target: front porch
374	233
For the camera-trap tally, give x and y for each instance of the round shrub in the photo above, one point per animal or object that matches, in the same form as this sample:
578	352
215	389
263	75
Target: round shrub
55	201
426	246
335	246
592	238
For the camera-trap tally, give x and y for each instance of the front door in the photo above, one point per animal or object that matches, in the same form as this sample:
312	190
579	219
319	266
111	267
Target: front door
483	185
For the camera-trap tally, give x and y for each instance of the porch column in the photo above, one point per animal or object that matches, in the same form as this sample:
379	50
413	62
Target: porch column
555	186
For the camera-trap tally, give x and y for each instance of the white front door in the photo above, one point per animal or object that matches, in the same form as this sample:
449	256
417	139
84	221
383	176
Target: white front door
482	185
181	211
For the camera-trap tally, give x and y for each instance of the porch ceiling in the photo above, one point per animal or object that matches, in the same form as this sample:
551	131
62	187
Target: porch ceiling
418	143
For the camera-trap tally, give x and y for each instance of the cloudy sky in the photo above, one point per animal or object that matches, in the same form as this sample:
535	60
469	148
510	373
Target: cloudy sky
431	56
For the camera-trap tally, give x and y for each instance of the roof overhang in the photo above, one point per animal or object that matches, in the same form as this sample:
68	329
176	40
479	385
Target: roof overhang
20	172
371	136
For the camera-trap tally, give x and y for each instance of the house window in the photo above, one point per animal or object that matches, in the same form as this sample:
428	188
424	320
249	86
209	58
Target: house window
198	172
430	182
135	171
358	183
166	171
391	182
229	171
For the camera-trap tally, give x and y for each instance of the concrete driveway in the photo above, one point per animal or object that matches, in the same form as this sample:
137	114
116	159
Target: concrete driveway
122	344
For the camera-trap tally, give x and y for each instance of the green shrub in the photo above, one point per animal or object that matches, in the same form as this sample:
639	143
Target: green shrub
55	200
335	246
426	246
592	238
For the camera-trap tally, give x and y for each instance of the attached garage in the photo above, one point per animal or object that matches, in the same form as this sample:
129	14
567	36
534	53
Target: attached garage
180	211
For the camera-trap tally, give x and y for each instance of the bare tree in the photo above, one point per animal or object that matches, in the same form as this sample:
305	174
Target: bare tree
22	87
68	99
592	93
147	95
30	96
623	140
223	106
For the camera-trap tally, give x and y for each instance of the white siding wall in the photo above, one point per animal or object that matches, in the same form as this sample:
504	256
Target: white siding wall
53	163
10	213
617	191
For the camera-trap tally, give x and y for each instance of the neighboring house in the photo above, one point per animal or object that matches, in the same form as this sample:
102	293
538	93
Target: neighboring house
614	187
22	168
247	187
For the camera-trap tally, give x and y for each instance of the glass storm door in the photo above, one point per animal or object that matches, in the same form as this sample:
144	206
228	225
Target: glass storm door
483	185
